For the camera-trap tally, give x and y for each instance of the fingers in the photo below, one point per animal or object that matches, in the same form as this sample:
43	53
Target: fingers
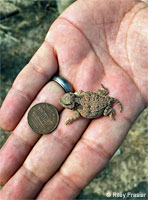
26	86
89	157
44	159
14	188
19	144
54	148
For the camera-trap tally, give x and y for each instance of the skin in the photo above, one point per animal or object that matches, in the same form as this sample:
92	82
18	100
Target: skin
92	42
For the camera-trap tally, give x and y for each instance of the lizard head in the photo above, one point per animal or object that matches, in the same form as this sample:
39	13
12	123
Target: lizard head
68	100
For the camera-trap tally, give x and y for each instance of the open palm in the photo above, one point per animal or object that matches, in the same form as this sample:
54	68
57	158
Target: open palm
92	42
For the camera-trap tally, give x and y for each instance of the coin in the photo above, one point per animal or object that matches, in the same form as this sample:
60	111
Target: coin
43	118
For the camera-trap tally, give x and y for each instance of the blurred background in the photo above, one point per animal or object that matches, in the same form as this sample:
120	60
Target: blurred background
23	26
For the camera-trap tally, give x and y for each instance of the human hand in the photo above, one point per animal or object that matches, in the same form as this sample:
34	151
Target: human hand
92	42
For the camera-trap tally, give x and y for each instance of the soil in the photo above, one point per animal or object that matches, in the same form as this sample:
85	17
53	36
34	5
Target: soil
23	27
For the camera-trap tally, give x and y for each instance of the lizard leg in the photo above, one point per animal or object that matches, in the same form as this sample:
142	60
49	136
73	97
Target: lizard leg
109	111
74	117
118	102
103	91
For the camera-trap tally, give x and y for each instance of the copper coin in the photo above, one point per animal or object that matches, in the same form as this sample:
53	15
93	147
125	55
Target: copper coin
43	118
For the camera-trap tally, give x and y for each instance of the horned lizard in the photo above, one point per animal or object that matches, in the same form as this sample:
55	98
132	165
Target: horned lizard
89	104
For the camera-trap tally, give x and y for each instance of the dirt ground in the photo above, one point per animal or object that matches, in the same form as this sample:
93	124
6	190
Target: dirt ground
23	27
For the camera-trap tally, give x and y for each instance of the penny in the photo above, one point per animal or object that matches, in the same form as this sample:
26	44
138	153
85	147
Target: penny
43	118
